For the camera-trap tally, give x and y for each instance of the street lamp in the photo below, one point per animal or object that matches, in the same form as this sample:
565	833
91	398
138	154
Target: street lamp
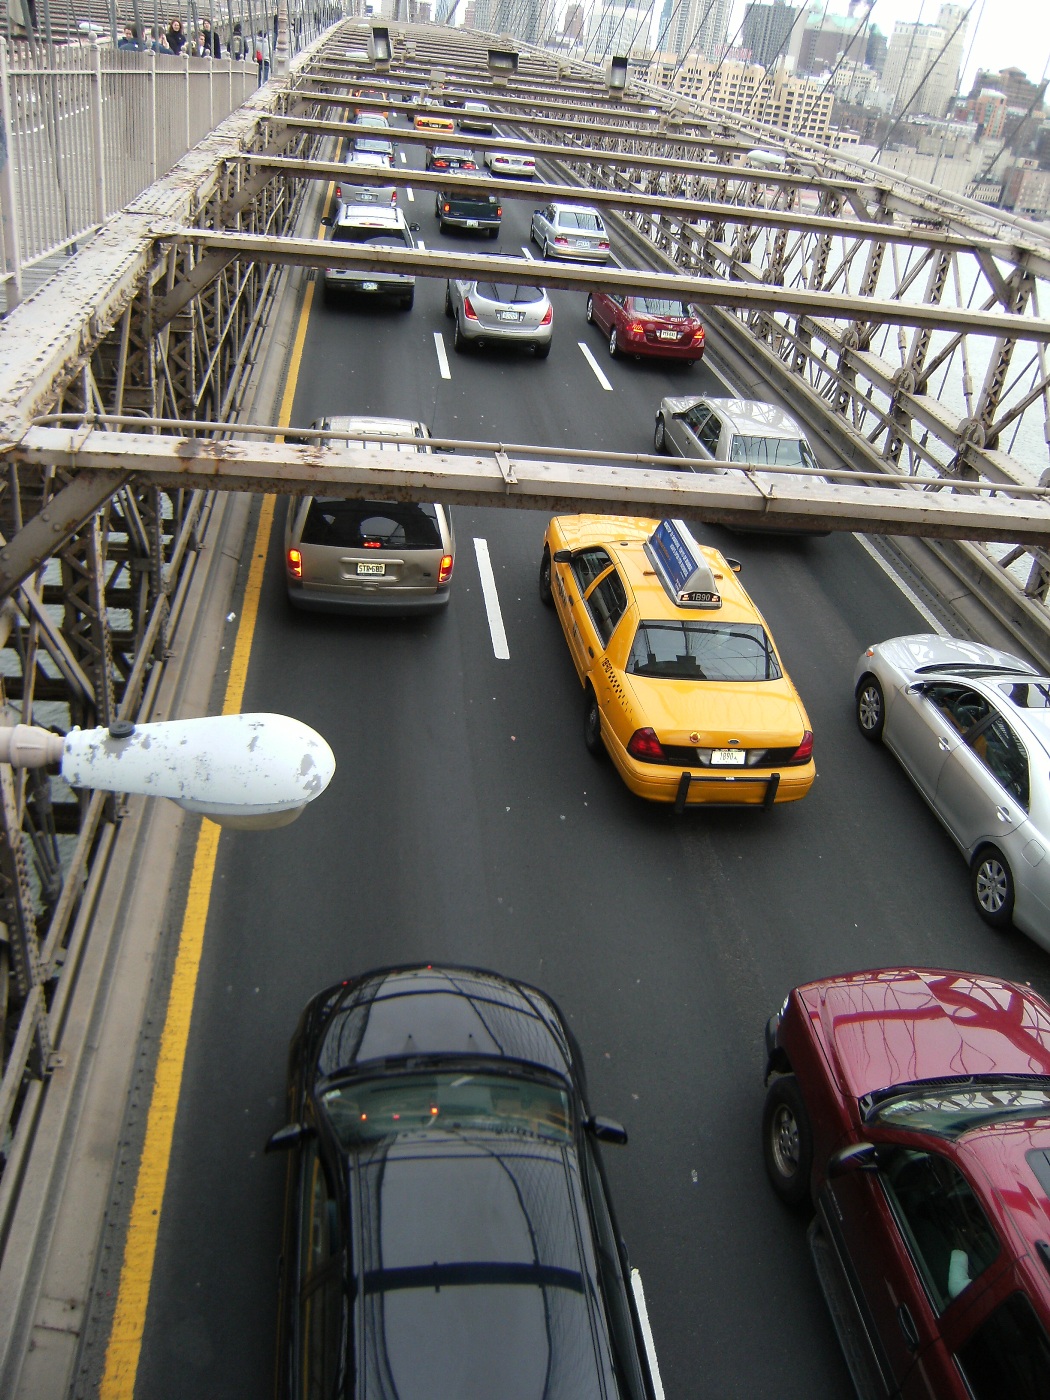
250	771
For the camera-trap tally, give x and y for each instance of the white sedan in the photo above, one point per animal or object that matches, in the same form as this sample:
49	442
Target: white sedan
511	163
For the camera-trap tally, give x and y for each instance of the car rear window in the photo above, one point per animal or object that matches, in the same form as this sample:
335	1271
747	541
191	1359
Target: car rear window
771	451
577	218
703	651
506	291
455	1101
343	524
372	146
353	233
660	306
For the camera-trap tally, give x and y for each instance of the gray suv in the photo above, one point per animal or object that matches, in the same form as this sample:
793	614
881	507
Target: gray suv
373	225
369	556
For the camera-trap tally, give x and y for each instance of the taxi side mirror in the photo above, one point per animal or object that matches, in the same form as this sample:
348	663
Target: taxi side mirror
562	556
291	1135
328	220
734	564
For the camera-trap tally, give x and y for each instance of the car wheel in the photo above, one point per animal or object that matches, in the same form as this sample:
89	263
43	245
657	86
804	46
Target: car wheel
546	249
448	302
590	309
993	887
660	436
546	592
459	340
542	351
614	347
442	226
592	724
871	708
787	1141
532	234
408	302
493	232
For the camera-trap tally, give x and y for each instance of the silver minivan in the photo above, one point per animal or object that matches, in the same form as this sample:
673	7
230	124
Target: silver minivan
369	556
375	226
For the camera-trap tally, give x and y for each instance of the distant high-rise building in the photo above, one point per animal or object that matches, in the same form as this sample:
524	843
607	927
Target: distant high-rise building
875	49
572	25
697	27
769	29
615	28
527	20
827	38
923	62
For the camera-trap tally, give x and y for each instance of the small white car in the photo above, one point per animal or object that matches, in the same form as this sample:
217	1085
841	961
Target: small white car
571	231
515	163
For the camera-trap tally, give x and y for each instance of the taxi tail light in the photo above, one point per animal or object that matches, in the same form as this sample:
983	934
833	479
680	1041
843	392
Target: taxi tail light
804	752
445	568
548	316
295	563
468	310
645	745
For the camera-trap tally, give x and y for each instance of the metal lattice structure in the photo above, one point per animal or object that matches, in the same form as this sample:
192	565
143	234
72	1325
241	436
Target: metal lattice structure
907	331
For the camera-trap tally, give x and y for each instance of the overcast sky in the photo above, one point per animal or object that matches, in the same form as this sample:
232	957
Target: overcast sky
1008	34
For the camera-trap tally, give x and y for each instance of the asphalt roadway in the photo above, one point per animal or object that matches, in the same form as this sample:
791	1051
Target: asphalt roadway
467	822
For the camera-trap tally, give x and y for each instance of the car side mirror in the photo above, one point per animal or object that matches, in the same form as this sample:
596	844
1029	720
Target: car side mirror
606	1130
859	1156
734	564
916	688
291	1135
328	220
414	228
562	556
295	440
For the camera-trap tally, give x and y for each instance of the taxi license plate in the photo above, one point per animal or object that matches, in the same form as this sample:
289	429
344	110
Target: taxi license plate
371	568
668	335
470	223
370	286
508	315
737	757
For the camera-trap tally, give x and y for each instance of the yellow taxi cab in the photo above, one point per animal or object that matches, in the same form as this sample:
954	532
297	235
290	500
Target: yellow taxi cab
683	684
433	121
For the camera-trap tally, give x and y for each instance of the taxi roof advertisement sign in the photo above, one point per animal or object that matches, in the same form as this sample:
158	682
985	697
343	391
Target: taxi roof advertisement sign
685	570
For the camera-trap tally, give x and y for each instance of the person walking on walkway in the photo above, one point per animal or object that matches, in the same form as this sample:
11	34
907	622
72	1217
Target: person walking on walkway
210	45
175	36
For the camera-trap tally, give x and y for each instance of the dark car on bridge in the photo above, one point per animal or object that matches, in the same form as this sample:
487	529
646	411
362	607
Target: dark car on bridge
447	1226
912	1108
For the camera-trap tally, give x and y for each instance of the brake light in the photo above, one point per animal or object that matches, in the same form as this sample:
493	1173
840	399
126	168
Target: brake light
644	744
445	568
548	316
636	328
371	544
441	164
603	244
468	165
560	238
338	191
499	211
468	310
804	752
295	563
445	208
698	336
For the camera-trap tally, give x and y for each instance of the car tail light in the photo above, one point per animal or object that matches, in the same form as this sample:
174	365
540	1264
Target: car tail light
698	336
603	244
548	316
445	569
469	165
561	240
338	191
468	310
295	563
636	328
804	752
445	208
371	544
644	744
441	164
499	211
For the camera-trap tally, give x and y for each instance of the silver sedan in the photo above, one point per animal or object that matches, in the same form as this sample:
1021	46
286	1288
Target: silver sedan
971	726
499	313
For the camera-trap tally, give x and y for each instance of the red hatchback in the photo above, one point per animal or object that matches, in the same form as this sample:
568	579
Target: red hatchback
645	325
912	1108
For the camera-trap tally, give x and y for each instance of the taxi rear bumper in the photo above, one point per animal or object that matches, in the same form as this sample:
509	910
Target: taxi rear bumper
704	787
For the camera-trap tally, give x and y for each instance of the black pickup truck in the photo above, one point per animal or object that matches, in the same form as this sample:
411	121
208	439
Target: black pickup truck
468	209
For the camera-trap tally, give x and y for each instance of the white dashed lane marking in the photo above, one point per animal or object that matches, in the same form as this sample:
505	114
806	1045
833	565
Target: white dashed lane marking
439	346
488	589
595	366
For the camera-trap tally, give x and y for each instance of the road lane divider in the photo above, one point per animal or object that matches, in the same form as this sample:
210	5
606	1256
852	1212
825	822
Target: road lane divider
595	366
647	1334
497	631
528	252
411	196
442	354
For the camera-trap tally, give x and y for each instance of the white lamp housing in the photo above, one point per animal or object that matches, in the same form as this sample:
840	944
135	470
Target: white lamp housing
255	770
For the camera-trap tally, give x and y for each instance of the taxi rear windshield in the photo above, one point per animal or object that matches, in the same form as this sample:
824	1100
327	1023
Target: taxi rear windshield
703	651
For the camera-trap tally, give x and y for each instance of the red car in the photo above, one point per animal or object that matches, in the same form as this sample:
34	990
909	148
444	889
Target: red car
912	1108
645	325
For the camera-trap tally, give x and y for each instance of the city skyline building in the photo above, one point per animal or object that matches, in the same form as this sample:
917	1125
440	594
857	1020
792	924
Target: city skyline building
772	32
924	63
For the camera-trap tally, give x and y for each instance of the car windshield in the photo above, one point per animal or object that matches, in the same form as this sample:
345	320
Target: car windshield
771	451
1030	695
703	651
374	146
371	524
949	1110
660	306
507	292
453	1101
580	218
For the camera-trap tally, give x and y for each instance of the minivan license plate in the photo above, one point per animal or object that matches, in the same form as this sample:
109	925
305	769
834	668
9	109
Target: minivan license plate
736	757
371	568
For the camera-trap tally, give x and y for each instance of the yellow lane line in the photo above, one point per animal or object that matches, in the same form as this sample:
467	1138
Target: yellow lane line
129	1318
